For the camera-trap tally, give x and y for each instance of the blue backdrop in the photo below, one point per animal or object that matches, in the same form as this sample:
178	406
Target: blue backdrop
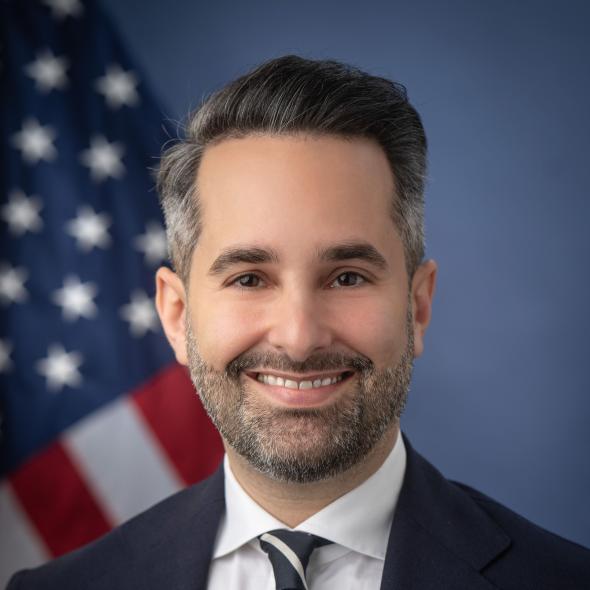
501	397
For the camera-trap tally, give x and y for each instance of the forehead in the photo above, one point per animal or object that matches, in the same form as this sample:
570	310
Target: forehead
294	191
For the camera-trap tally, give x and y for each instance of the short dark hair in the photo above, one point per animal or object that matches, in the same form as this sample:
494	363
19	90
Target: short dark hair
291	95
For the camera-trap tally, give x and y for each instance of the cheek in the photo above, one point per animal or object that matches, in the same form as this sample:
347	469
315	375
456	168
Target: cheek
224	331
378	331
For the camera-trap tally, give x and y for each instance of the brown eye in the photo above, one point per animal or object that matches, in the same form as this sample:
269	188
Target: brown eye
348	279
248	281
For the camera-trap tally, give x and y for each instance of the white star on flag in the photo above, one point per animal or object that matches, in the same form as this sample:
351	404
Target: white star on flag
62	8
12	284
153	243
48	71
35	142
140	313
118	87
21	213
76	299
60	368
5	360
103	159
90	229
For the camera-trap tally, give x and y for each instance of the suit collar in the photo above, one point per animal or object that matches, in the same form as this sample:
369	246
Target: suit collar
205	525
180	556
439	537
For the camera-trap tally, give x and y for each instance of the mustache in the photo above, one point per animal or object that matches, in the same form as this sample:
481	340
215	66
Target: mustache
280	362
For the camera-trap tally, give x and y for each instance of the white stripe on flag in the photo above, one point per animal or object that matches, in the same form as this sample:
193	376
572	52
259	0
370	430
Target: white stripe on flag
20	546
121	460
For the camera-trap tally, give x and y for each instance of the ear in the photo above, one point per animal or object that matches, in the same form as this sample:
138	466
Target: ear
171	306
423	285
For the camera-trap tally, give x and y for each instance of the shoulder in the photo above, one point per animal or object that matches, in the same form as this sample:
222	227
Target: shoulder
535	558
122	556
467	533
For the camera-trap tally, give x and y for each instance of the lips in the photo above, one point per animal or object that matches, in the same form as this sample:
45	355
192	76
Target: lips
303	391
311	382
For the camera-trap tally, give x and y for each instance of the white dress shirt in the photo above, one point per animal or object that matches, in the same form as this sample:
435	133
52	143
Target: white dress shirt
357	523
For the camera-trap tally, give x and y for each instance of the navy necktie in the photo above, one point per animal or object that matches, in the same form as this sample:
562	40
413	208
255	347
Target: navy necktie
289	553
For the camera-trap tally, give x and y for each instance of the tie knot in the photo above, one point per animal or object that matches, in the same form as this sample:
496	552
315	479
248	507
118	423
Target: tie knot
289	553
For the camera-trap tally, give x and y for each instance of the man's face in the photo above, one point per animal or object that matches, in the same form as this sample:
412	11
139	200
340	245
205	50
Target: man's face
299	333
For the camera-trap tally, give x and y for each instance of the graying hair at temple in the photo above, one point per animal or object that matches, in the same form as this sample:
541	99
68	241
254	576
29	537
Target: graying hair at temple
290	96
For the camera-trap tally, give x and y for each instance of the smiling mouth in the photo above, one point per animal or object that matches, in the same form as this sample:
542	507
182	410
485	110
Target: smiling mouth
307	382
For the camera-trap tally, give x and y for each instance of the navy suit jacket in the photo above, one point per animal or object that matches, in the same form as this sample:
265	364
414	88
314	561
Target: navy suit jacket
444	535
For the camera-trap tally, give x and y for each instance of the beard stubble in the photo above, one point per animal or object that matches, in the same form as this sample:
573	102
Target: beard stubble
303	445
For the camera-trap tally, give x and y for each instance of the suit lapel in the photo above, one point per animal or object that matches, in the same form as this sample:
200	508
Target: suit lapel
440	538
181	556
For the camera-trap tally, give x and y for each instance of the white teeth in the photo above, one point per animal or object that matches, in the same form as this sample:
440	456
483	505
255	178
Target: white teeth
291	384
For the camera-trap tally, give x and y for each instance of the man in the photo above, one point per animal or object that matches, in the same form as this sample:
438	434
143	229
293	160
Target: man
300	297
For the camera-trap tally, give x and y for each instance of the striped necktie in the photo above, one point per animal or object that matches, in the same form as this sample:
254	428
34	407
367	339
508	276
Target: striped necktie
289	553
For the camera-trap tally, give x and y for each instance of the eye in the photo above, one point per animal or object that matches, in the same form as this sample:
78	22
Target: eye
348	279
247	281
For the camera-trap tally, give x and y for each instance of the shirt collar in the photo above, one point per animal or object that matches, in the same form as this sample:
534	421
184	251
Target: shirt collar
360	520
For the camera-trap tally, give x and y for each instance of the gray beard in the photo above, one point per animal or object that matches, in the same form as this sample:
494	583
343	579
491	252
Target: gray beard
303	445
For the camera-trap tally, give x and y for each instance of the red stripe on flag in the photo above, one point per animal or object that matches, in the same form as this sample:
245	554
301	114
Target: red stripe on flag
58	501
174	412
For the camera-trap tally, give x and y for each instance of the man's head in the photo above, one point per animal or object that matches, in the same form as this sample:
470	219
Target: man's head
290	96
300	299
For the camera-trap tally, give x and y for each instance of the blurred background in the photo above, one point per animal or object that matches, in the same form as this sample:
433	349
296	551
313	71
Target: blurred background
500	399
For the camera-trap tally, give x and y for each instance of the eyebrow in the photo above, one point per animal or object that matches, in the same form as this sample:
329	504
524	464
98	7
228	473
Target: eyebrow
350	250
354	250
242	255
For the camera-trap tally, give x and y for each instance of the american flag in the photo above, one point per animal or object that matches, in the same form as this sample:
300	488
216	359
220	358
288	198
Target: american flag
98	421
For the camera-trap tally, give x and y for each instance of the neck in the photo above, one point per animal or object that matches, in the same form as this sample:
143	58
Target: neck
292	503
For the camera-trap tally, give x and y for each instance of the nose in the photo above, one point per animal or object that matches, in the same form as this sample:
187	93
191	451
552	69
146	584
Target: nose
298	326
